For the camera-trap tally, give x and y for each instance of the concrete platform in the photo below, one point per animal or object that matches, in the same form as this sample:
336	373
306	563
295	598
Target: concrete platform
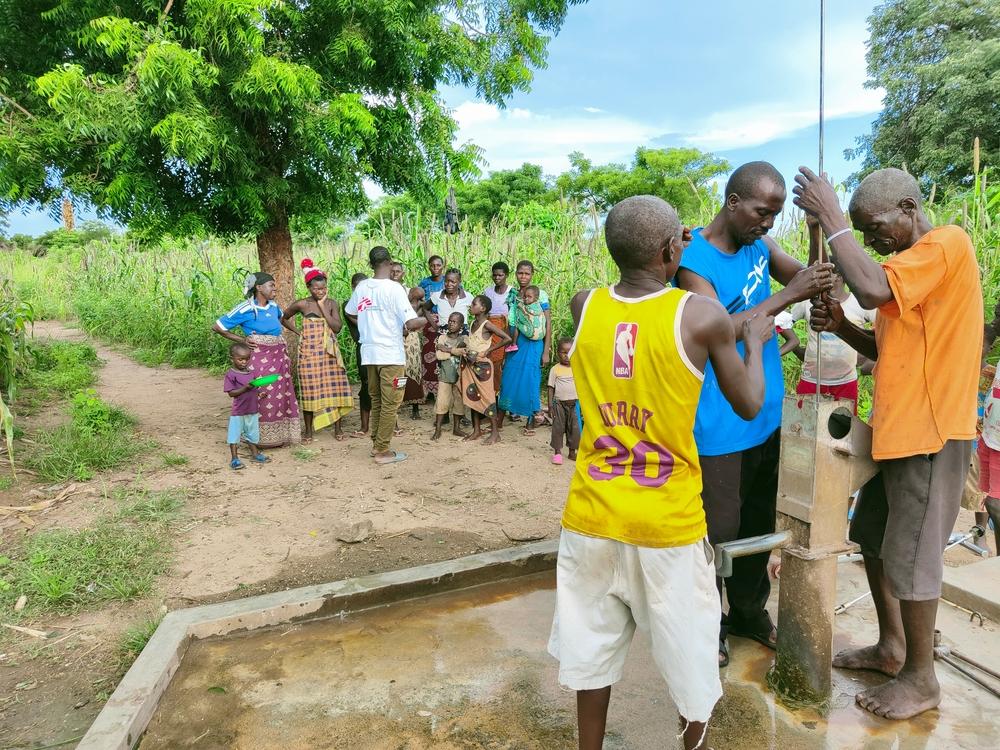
469	669
975	586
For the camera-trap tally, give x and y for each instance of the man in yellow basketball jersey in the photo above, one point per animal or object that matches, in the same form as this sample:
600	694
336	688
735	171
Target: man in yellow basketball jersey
633	549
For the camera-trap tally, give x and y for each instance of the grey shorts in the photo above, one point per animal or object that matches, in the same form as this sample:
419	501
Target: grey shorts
905	515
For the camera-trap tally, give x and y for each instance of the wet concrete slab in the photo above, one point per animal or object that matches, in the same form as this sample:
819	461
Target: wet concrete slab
469	669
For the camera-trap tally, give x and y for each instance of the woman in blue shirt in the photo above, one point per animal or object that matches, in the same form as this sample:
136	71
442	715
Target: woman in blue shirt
430	285
259	317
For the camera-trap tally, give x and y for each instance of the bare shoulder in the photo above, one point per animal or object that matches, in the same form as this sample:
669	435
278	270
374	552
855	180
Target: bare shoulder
576	304
705	316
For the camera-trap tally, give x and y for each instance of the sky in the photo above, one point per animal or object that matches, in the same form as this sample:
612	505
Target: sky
738	79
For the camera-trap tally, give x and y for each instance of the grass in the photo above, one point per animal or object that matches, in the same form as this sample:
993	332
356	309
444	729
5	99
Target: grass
174	459
305	454
117	558
6	483
134	640
60	369
98	437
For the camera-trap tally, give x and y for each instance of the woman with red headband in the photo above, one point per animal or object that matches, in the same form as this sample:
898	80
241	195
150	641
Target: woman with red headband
324	390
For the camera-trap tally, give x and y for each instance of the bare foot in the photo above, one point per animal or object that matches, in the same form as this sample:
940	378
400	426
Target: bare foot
493	437
911	693
474	436
459	433
877	658
436	435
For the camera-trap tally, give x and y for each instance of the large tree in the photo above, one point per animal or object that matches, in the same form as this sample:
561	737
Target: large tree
939	63
678	175
480	201
236	116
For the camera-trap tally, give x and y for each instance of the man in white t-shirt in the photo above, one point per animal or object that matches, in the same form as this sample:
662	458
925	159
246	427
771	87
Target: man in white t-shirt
839	366
383	313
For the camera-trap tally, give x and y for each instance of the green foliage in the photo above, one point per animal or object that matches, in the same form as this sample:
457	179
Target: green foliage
233	116
481	201
98	437
92	416
134	640
939	63
115	559
678	175
61	368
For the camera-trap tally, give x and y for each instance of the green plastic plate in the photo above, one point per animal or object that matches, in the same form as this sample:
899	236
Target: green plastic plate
265	380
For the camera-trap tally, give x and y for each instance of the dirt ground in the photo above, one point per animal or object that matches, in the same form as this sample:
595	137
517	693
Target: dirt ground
263	529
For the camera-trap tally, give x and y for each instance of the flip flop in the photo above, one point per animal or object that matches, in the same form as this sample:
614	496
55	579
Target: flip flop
261	458
358	434
397	456
340	438
527	433
397	433
236	464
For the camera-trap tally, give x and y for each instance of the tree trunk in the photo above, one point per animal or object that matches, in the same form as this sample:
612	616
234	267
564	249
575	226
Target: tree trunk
274	250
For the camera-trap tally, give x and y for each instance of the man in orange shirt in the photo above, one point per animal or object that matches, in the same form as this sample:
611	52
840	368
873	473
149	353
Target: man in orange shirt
927	346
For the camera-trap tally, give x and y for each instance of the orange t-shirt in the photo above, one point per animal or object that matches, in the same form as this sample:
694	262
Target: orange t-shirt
930	338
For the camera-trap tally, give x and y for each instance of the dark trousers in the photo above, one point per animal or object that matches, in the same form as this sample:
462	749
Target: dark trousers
564	425
364	397
740	494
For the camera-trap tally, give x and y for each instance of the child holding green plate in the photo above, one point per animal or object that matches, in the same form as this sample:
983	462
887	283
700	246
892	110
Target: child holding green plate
244	419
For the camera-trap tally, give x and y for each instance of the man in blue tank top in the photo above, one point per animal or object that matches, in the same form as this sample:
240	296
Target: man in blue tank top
733	260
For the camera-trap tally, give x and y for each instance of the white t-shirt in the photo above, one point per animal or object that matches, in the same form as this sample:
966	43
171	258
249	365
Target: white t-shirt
840	361
445	308
382	308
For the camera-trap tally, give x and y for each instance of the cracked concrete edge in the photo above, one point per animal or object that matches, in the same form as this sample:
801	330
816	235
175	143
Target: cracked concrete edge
124	718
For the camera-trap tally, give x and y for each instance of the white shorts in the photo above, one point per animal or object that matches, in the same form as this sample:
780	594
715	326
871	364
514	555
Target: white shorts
604	588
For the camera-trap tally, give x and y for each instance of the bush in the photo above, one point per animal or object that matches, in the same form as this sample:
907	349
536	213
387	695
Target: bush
93	416
62	368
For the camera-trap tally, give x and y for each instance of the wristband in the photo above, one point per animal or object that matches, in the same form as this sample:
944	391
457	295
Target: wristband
835	235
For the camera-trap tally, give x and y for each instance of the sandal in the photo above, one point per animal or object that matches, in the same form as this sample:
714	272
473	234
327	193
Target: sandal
236	464
261	458
358	434
527	432
762	637
397	456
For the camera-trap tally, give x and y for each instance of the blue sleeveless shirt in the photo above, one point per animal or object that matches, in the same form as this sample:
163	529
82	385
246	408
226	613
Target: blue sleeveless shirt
741	281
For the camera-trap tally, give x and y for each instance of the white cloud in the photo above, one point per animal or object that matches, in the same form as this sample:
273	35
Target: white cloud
509	138
796	105
593	110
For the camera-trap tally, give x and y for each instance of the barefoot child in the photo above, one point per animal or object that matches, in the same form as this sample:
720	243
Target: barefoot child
562	404
476	377
450	348
244	419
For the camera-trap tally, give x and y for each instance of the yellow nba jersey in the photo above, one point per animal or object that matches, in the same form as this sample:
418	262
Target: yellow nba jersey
637	476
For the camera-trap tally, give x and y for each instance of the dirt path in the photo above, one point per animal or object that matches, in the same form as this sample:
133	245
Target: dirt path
269	527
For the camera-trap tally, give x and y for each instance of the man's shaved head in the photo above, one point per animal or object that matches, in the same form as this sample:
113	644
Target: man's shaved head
883	190
638	228
746	178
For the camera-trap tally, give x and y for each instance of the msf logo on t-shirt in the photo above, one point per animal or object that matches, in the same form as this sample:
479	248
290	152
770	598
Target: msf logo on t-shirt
624	356
754	279
364	303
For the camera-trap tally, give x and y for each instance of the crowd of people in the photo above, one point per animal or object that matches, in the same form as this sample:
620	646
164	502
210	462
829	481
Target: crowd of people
477	358
669	399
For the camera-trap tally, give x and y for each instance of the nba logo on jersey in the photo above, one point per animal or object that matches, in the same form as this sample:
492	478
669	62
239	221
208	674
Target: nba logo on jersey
624	357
